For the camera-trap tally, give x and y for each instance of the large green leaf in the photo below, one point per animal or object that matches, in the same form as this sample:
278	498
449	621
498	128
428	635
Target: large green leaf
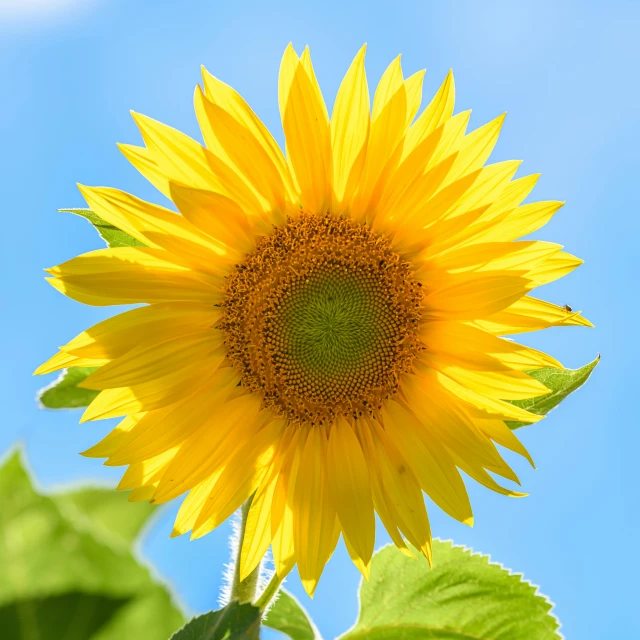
288	616
106	512
234	622
464	597
64	393
561	382
72	616
61	547
113	236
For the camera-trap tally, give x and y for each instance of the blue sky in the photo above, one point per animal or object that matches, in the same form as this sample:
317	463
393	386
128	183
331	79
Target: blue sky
566	73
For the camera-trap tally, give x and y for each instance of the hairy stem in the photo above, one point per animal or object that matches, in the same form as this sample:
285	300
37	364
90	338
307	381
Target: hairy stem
244	590
269	592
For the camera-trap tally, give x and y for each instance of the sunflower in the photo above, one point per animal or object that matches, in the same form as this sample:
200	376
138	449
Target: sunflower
321	330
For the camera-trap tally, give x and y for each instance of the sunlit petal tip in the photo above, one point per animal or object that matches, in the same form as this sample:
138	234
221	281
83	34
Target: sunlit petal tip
426	550
175	533
91	453
309	586
407	552
49	366
468	521
365	569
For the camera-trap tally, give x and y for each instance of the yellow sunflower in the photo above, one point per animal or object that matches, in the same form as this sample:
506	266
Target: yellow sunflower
321	329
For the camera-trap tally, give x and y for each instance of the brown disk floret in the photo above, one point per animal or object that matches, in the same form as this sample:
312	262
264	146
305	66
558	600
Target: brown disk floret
322	319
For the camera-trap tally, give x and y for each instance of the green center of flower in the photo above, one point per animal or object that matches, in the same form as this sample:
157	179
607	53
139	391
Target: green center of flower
322	319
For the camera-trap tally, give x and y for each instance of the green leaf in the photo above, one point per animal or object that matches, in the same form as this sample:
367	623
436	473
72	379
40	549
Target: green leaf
288	616
113	236
150	616
72	616
108	513
464	597
561	382
61	547
235	622
64	392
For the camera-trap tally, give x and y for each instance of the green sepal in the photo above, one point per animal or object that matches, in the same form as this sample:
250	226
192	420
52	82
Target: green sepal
64	392
113	236
560	382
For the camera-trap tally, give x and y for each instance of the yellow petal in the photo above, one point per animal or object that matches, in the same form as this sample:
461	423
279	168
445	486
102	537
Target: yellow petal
117	335
129	275
193	503
111	442
160	430
212	446
155	226
218	216
182	159
554	267
245	152
442	417
520	257
521	221
314	515
267	508
402	489
498	431
350	122
438	111
257	532
62	360
350	486
388	126
473	348
154	394
413	87
504	385
488	226
418	177
239	479
490	406
475	297
531	314
146	473
383	506
306	129
476	148
305	61
231	101
430	462
142	159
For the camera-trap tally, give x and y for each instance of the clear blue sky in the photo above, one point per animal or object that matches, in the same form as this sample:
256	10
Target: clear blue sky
567	74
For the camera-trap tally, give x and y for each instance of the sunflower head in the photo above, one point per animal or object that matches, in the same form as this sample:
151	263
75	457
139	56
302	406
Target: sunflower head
322	319
318	331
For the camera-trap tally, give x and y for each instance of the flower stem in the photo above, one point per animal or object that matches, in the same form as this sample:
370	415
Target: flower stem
244	590
269	592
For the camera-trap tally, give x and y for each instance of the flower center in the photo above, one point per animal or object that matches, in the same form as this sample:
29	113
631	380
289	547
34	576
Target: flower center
322	319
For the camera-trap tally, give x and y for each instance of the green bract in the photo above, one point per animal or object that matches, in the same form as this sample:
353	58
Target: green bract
561	382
